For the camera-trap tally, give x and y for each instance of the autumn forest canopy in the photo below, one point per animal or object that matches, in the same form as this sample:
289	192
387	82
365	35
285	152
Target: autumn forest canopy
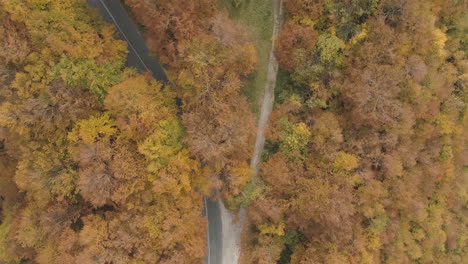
365	157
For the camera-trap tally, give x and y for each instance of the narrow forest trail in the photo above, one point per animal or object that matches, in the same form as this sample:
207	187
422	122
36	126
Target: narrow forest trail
269	92
231	228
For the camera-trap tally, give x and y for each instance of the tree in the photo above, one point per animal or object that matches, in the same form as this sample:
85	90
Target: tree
8	163
89	75
327	134
56	218
348	15
213	70
329	48
346	161
162	145
280	174
79	189
416	68
295	139
311	9
292	38
319	253
372	184
94	153
77	36
93	129
374	94
52	112
222	132
320	204
97	185
266	250
218	120
139	103
14	45
45	174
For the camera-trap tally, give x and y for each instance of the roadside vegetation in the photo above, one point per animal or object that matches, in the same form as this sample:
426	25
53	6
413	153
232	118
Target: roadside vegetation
211	60
257	18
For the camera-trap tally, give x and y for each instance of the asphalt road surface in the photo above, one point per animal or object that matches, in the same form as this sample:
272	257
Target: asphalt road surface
138	54
214	232
138	57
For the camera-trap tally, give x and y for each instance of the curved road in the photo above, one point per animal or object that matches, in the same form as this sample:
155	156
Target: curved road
138	53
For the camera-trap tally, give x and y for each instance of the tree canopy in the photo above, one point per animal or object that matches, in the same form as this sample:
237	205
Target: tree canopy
364	160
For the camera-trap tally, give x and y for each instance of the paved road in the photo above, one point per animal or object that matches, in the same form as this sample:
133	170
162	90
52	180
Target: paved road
138	57
214	232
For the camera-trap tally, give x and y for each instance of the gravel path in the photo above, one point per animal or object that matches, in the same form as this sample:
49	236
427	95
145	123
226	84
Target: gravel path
231	235
269	93
232	229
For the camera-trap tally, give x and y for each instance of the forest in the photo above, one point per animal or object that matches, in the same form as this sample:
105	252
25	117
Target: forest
365	159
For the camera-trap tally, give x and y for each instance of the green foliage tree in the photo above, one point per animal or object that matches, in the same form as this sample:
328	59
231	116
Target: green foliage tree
86	74
329	48
295	140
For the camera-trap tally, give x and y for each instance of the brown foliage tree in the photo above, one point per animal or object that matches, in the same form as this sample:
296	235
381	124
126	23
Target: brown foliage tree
221	133
57	110
58	217
218	119
416	68
293	37
14	46
322	204
306	8
96	182
372	91
170	23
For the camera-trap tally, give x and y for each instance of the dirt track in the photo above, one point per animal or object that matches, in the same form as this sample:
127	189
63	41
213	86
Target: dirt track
232	230
269	93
